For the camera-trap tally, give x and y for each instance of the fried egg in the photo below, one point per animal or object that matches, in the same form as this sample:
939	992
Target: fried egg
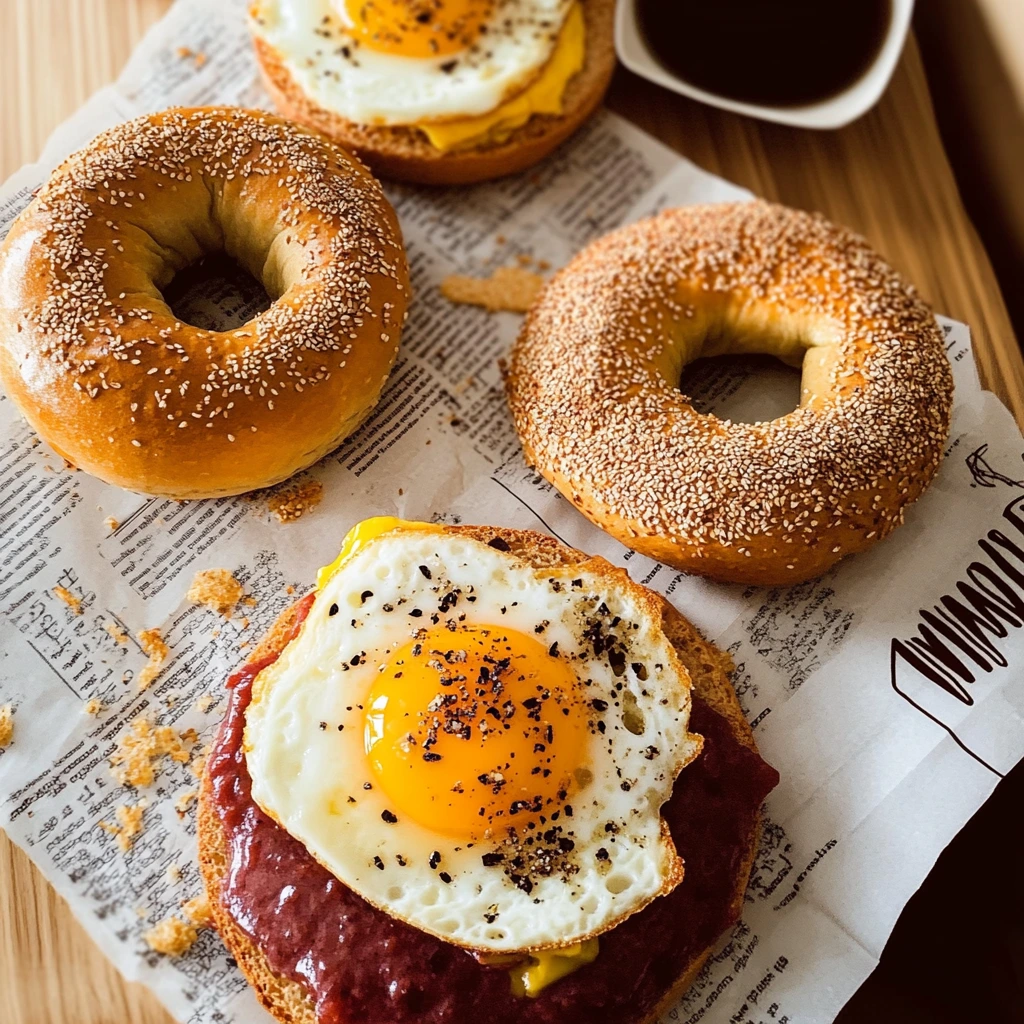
477	747
405	62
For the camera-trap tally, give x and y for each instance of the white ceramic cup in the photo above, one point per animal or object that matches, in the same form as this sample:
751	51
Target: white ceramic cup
833	112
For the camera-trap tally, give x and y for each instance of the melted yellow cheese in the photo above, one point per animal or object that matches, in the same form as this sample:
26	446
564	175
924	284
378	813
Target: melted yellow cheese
360	535
544	96
548	966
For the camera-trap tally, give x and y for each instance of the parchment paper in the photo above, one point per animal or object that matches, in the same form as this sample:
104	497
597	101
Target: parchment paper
886	693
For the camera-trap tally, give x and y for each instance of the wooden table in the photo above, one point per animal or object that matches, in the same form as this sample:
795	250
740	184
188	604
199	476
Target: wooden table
886	176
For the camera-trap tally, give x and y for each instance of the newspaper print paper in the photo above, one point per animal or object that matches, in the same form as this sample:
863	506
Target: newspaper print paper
886	693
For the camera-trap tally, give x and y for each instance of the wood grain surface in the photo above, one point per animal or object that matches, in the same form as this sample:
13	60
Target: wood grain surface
887	176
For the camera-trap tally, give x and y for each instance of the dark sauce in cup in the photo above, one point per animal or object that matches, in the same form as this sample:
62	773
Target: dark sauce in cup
778	53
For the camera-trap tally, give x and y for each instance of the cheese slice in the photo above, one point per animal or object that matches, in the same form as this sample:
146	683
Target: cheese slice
543	96
548	966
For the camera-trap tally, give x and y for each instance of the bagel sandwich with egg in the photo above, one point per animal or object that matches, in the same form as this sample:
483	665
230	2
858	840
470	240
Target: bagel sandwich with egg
587	878
439	92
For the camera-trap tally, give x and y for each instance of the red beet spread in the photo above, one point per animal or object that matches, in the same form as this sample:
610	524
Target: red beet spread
358	964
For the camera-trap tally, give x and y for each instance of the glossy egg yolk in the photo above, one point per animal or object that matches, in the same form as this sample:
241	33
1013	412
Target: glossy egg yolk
474	729
418	28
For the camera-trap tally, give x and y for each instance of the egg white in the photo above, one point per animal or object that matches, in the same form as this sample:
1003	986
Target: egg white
373	88
311	778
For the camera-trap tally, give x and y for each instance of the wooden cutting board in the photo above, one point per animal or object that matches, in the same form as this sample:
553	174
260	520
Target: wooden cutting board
886	176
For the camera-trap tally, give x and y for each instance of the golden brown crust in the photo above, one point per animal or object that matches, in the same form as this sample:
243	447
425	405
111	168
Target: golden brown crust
405	154
595	373
709	670
122	388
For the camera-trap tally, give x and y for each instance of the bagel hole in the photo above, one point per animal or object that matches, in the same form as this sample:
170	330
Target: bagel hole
216	293
742	388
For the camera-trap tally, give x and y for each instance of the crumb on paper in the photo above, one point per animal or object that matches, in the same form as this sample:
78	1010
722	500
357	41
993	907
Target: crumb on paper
205	702
172	936
289	590
74	603
197	910
184	52
173	873
185	801
200	59
294	502
93	706
249	601
140	746
217	589
154	647
111	523
524	259
198	764
117	633
129	824
6	725
512	289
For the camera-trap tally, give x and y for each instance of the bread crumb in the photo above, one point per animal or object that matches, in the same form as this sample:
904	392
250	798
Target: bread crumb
173	874
111	523
74	603
508	288
172	937
205	702
199	762
217	589
198	911
523	259
116	632
93	706
291	590
543	265
294	502
184	52
153	645
140	746
129	824
200	60
184	802
6	725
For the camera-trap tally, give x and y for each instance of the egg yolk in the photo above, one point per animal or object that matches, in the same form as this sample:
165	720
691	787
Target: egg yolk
474	729
418	28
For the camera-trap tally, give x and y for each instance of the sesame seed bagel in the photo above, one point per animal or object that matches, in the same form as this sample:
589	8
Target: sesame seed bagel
404	153
107	374
593	388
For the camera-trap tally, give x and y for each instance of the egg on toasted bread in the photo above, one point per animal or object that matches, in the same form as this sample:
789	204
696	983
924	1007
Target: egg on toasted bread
477	747
438	90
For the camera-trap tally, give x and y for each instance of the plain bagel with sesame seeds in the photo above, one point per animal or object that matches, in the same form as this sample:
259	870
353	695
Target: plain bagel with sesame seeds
107	374
593	388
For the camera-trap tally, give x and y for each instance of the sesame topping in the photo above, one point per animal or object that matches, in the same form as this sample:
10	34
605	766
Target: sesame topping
594	375
279	196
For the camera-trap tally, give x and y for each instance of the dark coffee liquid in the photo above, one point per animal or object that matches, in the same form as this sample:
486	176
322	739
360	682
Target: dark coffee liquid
780	53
